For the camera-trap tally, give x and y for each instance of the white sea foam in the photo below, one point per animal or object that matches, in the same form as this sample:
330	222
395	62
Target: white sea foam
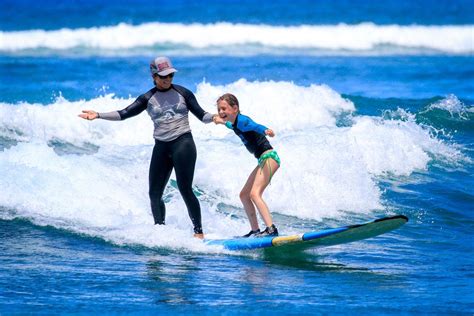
250	38
453	105
327	170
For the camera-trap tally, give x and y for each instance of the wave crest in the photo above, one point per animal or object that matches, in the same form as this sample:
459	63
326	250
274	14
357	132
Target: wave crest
248	38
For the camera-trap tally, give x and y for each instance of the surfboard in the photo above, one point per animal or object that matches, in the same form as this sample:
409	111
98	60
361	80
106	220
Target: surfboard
327	237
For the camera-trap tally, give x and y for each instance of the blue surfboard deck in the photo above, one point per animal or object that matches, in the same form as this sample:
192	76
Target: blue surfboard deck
327	237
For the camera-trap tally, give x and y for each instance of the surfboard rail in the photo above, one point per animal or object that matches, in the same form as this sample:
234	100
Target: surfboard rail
326	237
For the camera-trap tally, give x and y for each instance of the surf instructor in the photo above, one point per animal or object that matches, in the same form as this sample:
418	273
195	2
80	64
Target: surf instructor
168	105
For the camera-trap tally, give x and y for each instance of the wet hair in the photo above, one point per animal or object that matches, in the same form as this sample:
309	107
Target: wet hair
230	99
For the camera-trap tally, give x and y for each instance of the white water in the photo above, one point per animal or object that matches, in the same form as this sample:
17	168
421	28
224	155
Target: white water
453	105
327	171
214	38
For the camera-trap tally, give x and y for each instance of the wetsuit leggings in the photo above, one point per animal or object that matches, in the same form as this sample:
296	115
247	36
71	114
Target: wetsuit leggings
179	154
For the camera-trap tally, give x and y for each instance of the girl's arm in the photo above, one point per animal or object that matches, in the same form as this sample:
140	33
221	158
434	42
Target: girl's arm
246	124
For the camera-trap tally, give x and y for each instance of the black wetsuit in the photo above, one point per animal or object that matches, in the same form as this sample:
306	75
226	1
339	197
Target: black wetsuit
174	145
179	154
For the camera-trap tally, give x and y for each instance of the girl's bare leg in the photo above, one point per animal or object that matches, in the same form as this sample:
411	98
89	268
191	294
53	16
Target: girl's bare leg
261	181
247	201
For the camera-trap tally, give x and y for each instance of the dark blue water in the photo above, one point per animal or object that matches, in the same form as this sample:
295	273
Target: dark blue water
404	77
76	231
49	14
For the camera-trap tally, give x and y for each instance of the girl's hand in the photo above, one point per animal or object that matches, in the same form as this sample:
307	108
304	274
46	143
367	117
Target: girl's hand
217	119
89	115
270	132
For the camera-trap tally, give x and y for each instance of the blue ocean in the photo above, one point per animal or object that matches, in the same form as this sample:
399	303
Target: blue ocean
372	104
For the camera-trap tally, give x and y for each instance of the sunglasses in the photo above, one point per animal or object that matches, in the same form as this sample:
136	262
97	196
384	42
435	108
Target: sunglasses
171	75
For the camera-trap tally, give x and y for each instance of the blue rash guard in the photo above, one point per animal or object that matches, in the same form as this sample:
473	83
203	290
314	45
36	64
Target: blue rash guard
251	134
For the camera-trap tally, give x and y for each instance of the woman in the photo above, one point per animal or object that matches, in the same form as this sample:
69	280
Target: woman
168	106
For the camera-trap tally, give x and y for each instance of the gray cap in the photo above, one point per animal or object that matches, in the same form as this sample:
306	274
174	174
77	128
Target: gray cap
161	66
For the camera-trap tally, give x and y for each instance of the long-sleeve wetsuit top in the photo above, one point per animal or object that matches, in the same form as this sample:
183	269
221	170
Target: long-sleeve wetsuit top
251	134
168	110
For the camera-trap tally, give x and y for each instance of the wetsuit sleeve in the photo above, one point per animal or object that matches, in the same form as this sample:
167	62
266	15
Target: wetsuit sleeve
245	124
109	116
138	106
193	104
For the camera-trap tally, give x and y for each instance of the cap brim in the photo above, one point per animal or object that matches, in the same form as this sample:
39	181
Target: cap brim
167	72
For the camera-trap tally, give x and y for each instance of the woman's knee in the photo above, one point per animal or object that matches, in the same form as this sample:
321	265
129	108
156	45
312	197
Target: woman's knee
186	190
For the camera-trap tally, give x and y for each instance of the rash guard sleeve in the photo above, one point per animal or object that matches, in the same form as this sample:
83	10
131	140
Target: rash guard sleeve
246	124
109	116
138	106
193	104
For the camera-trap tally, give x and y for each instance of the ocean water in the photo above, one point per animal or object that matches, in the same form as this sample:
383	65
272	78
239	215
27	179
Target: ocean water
373	109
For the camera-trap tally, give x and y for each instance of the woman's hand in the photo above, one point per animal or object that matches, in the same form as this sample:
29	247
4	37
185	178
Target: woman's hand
89	115
270	132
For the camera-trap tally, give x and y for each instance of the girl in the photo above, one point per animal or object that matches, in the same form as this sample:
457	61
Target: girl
253	137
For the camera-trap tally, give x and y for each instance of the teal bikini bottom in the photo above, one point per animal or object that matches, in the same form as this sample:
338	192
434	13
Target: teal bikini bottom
263	158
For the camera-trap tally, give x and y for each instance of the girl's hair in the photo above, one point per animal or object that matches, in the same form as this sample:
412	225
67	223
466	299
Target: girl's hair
229	98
